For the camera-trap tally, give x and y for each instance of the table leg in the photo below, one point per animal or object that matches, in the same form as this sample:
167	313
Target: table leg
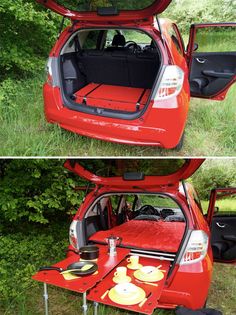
45	296
85	306
95	306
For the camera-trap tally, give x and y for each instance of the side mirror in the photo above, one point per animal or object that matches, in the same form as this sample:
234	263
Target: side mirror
216	210
195	47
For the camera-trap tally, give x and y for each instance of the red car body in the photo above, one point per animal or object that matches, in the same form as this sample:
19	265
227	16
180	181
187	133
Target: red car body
189	277
162	120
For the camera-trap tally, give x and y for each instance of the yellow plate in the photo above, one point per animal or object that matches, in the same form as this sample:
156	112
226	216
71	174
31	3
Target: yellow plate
130	266
156	276
138	297
126	279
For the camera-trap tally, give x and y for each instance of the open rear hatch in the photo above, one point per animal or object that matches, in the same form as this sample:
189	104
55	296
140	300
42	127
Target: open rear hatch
135	173
120	10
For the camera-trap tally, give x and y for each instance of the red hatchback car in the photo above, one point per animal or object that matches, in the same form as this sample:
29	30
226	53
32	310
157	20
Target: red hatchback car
121	74
158	216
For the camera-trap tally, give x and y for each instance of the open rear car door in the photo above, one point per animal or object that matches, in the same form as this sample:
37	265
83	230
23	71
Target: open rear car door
212	59
121	11
222	223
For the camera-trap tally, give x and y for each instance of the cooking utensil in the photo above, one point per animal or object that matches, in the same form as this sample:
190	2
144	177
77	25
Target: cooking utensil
77	268
144	300
89	252
113	241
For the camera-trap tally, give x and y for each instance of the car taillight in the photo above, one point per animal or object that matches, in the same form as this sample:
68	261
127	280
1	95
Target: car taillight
48	70
73	235
196	248
171	83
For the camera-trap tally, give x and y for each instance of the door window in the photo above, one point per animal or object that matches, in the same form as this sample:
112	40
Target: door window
216	39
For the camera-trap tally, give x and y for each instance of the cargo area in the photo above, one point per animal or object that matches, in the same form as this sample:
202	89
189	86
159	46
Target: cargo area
149	224
105	69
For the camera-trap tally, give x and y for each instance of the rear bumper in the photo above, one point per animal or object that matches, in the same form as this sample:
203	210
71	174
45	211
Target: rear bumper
190	285
157	127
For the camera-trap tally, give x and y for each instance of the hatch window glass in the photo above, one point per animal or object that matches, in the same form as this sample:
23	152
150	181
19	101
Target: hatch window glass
92	5
150	167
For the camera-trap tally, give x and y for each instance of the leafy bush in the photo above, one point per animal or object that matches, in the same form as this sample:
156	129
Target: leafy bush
27	32
22	253
214	174
186	12
36	190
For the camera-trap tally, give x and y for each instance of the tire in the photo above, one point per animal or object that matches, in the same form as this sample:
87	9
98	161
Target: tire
179	146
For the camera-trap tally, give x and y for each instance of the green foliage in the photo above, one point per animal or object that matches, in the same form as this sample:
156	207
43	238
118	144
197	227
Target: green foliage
23	251
27	32
214	174
186	12
36	190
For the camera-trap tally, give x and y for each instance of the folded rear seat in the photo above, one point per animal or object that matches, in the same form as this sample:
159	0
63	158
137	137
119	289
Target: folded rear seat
105	67
120	67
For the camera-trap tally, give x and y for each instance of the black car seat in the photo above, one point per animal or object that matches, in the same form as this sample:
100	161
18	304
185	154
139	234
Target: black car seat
118	43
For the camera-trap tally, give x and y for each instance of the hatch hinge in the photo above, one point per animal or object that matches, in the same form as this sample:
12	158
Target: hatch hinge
74	24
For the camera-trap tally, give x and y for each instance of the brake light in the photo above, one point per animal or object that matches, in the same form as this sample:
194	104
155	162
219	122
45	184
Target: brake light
73	235
48	70
196	248
171	83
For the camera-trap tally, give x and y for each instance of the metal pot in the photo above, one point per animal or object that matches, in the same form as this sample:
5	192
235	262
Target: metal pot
89	252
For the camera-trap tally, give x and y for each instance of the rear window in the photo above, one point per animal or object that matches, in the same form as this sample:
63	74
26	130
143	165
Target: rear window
150	167
92	5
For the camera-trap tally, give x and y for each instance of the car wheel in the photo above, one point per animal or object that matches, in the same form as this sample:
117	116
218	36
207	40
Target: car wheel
179	146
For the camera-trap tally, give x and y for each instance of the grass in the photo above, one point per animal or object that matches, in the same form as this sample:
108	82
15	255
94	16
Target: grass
210	130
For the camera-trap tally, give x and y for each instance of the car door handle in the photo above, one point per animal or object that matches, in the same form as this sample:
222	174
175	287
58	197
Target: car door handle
221	225
201	60
215	74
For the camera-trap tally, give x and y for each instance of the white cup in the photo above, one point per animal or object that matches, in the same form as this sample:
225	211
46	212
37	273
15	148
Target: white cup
133	260
121	273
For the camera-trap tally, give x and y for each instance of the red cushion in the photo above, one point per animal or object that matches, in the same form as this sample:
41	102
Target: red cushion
152	235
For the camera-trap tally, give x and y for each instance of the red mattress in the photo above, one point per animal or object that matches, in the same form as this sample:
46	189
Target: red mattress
113	97
152	235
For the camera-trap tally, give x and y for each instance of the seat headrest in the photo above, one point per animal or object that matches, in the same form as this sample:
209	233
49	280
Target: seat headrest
118	40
